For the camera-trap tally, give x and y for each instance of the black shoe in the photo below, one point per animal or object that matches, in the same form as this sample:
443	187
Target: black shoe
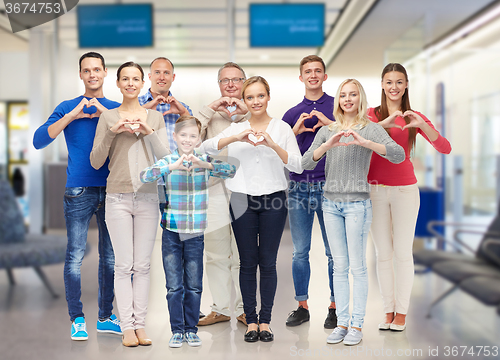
201	315
266	336
297	317
252	336
331	319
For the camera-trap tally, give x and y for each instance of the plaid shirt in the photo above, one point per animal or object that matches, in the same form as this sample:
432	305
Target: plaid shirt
170	119
187	191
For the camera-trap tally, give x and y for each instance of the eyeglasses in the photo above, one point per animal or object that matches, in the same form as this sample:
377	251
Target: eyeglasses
233	80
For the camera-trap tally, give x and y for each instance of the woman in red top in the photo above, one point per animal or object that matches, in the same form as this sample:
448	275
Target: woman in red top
395	196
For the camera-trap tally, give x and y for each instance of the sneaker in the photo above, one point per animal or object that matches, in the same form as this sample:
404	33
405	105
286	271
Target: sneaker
176	340
242	319
353	337
213	318
338	334
79	329
331	319
297	317
110	325
192	339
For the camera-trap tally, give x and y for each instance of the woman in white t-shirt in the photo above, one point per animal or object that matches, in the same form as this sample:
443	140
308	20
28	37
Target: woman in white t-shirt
264	146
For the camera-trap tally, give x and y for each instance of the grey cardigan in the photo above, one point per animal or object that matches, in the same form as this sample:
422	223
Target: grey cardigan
346	167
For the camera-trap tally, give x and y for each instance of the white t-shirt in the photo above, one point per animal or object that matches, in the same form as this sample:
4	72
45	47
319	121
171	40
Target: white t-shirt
260	170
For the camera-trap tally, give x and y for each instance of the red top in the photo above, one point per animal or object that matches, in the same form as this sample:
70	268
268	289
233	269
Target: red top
384	172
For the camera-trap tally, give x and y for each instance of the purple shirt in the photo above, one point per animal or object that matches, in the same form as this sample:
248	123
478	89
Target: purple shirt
324	105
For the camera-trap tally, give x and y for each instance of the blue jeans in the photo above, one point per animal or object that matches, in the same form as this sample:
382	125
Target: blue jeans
347	226
80	204
258	234
304	199
183	266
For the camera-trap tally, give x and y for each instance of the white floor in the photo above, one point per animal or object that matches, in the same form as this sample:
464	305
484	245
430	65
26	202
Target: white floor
33	325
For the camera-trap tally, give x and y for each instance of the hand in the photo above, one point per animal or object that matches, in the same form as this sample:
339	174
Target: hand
416	120
241	108
299	126
244	136
334	141
175	107
77	112
322	119
358	139
100	108
182	163
221	104
266	140
122	125
140	125
160	99
390	121
196	163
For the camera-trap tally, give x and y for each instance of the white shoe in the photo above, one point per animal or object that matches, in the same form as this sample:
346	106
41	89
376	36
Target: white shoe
395	327
384	326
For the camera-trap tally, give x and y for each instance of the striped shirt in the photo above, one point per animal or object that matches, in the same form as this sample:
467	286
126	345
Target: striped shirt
187	191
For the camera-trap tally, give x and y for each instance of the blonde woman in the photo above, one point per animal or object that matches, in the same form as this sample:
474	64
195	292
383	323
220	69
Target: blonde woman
264	146
348	145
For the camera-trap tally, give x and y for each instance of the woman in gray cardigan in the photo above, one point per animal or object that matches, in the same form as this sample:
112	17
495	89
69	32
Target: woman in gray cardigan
348	145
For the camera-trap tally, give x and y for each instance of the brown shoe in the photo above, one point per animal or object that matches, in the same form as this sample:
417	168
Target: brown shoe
213	318
242	319
143	338
129	338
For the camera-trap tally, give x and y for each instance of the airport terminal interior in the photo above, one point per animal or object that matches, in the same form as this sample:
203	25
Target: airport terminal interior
451	50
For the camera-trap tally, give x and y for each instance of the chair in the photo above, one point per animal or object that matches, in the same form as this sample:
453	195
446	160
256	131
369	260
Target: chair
18	249
477	274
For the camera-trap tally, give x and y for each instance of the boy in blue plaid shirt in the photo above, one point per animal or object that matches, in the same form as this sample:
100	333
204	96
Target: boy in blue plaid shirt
183	221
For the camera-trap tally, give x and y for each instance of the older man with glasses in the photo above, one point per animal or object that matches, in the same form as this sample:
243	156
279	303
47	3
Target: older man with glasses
223	263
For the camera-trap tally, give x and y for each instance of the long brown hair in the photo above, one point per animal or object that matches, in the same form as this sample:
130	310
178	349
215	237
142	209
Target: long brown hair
382	111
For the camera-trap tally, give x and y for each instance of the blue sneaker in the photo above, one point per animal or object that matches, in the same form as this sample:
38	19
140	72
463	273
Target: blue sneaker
176	340
192	339
110	325
79	329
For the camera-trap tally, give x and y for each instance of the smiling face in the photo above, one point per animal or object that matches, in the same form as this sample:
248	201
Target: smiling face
231	89
256	98
349	99
187	138
161	76
92	73
394	85
313	75
130	82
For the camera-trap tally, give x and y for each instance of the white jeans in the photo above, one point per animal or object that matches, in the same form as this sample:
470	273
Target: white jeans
395	211
223	261
132	222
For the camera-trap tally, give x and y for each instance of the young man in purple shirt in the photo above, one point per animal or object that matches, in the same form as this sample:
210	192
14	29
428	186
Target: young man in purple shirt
306	190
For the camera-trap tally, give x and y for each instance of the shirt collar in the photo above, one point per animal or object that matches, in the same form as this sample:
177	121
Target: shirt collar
321	100
150	97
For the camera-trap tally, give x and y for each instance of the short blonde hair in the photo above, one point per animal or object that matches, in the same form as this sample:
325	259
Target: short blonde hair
186	120
361	119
